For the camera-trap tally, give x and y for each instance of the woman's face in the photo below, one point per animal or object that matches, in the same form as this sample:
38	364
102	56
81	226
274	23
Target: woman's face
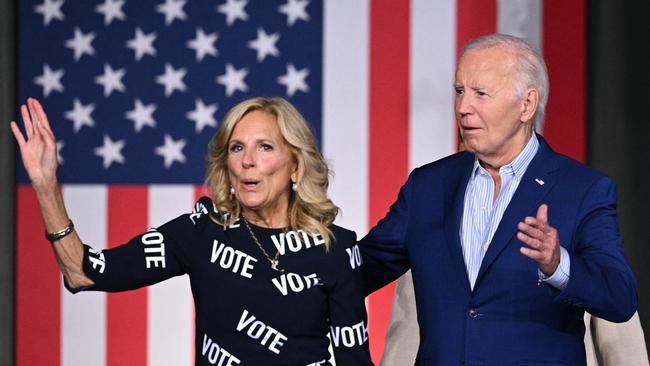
260	166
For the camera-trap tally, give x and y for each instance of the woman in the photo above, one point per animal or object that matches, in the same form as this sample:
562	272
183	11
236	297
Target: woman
271	275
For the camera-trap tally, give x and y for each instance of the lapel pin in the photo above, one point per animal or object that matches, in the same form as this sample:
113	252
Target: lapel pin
539	181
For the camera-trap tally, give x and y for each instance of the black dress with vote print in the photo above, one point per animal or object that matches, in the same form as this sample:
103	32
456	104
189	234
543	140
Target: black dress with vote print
246	312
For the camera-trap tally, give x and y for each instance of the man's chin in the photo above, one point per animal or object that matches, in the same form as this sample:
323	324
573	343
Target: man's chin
470	145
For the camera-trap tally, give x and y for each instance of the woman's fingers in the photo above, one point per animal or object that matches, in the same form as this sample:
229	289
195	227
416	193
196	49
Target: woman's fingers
36	118
27	121
40	112
17	134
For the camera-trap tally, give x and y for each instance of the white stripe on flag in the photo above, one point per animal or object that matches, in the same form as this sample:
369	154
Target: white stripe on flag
432	56
170	307
83	316
521	18
345	108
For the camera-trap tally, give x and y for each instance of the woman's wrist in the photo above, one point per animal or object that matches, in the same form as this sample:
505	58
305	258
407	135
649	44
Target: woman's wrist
45	187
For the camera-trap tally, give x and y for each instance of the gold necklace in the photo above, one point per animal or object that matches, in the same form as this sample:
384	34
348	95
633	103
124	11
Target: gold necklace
275	261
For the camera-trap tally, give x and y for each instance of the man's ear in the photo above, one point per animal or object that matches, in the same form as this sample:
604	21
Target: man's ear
529	104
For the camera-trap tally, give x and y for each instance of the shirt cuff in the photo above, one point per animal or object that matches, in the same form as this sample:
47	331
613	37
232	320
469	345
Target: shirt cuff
559	279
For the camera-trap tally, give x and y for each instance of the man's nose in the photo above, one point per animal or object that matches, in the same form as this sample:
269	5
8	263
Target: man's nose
464	105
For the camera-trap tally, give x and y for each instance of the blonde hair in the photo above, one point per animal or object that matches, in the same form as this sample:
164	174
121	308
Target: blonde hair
309	207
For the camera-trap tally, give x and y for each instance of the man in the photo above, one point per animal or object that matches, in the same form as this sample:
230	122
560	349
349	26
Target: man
606	343
509	242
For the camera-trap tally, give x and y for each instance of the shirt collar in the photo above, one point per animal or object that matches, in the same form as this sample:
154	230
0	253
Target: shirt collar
519	165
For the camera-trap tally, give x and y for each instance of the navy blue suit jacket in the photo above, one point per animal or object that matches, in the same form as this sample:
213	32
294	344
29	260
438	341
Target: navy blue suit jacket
508	319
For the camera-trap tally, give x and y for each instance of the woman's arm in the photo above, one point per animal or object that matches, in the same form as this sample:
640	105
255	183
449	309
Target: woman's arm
39	155
347	317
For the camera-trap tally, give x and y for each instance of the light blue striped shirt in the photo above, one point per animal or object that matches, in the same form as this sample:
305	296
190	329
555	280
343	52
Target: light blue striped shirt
481	216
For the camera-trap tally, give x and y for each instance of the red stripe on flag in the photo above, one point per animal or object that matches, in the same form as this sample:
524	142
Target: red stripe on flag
38	323
126	321
200	191
564	51
388	127
474	18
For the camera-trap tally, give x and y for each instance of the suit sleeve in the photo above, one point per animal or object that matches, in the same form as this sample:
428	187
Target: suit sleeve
620	344
347	308
146	259
601	280
403	334
384	248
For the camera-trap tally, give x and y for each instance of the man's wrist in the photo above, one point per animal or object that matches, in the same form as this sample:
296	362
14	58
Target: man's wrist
560	278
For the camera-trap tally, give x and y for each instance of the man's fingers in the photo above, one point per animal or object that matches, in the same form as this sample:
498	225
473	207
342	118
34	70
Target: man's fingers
530	241
535	255
537	223
531	230
542	213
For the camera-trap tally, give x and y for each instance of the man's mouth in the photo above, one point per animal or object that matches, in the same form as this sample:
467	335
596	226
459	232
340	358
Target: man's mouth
469	129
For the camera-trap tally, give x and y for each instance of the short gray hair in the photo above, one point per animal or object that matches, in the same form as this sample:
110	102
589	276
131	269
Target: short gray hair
529	64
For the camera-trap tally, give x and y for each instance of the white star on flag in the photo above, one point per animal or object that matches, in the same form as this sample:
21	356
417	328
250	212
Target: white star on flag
173	9
50	9
203	44
171	151
112	9
111	151
202	115
233	79
295	10
81	43
264	44
142	44
233	10
142	115
50	80
80	115
172	79
59	146
294	80
111	80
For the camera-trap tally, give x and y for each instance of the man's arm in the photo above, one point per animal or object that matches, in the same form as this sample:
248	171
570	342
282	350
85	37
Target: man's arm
384	250
600	279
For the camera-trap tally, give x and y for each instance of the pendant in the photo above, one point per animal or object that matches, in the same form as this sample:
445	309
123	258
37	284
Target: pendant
274	265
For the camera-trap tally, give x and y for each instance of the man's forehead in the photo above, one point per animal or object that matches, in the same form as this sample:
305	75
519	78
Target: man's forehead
485	64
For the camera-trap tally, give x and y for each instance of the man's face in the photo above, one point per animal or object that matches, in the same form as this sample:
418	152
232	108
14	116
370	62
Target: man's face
487	111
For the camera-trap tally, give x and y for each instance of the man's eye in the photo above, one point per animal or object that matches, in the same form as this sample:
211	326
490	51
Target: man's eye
481	93
460	91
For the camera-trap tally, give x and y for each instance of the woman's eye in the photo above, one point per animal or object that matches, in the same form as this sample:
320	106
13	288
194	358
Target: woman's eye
235	148
266	147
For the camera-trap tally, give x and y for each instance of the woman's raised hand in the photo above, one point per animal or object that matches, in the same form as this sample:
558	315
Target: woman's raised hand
38	151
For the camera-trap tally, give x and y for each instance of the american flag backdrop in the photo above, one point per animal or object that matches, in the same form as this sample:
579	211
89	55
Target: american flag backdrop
135	89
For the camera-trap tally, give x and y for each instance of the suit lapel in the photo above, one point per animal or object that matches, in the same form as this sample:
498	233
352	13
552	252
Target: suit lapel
535	184
456	185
